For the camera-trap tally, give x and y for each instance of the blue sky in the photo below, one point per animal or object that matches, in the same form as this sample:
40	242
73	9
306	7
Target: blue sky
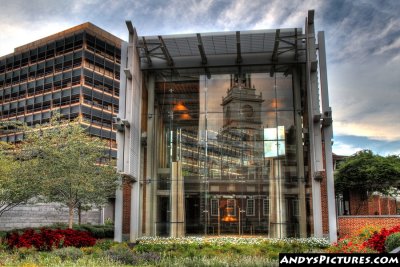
362	37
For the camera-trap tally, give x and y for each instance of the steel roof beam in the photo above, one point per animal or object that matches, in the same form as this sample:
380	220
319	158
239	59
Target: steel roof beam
165	51
274	57
239	58
201	49
147	53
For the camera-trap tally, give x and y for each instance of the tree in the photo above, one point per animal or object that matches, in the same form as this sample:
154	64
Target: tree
17	186
73	170
367	172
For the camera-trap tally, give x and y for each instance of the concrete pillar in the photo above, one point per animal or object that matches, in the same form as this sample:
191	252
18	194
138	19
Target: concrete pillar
314	123
150	158
121	152
299	154
328	136
177	220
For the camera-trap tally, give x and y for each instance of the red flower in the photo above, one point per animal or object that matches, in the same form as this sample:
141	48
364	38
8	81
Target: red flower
47	239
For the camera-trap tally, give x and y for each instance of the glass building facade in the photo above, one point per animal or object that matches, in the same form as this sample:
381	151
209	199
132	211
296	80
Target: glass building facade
224	134
227	150
76	72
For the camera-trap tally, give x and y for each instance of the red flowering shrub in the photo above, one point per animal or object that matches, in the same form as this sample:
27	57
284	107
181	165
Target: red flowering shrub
377	241
46	239
349	245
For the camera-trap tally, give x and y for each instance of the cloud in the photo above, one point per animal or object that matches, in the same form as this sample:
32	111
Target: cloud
348	144
362	39
344	149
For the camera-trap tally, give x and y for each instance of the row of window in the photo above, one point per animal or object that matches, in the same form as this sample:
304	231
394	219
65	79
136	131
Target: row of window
40	87
32	74
41	53
59	47
49	104
58	82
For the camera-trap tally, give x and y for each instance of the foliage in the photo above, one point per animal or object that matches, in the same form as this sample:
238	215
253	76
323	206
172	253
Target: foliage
70	253
367	172
348	245
222	246
105	244
392	242
73	169
367	232
47	239
17	185
122	253
377	241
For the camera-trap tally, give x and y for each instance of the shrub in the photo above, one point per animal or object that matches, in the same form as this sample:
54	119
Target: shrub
105	244
377	241
68	253
346	245
367	232
123	254
392	242
47	239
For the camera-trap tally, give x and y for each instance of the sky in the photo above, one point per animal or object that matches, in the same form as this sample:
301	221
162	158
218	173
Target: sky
362	43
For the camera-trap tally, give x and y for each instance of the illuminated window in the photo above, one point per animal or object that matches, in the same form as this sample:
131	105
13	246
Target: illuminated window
274	142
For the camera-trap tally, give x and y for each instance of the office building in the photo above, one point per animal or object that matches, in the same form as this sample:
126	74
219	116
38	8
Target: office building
76	72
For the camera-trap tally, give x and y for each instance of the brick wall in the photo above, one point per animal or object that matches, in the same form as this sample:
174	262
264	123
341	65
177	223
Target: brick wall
350	225
126	210
361	204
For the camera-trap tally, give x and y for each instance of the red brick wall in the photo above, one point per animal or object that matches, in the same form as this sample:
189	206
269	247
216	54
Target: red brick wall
372	205
126	211
350	225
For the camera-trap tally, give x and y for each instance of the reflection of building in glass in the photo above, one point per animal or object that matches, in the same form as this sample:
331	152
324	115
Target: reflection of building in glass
225	134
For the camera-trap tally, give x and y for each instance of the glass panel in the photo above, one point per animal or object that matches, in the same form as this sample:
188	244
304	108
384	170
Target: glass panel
226	157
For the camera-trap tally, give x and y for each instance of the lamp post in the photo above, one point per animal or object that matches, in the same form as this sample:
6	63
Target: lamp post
240	216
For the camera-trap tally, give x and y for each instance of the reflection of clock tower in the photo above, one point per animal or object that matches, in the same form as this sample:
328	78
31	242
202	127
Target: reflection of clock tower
241	106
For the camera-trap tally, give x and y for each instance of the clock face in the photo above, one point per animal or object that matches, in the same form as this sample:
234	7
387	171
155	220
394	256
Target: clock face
247	111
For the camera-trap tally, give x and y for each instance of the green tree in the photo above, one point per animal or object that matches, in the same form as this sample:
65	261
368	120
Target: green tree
17	185
73	168
368	172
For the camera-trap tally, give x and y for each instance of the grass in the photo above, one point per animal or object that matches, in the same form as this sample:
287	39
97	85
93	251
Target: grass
194	251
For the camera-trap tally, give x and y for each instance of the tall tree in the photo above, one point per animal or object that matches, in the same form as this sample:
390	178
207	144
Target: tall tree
17	185
367	172
74	170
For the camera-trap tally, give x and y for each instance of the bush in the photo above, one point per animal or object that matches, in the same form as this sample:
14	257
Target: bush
68	253
377	241
123	254
47	239
392	242
105	244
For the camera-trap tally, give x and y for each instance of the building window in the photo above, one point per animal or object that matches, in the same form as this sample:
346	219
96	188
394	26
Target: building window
214	207
231	207
266	207
250	207
296	207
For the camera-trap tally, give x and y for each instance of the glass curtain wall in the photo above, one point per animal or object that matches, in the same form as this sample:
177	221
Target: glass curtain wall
227	157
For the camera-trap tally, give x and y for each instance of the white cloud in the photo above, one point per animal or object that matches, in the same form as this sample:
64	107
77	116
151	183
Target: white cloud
344	149
15	35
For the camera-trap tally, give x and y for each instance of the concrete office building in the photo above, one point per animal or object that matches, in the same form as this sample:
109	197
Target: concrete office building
225	133
75	72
